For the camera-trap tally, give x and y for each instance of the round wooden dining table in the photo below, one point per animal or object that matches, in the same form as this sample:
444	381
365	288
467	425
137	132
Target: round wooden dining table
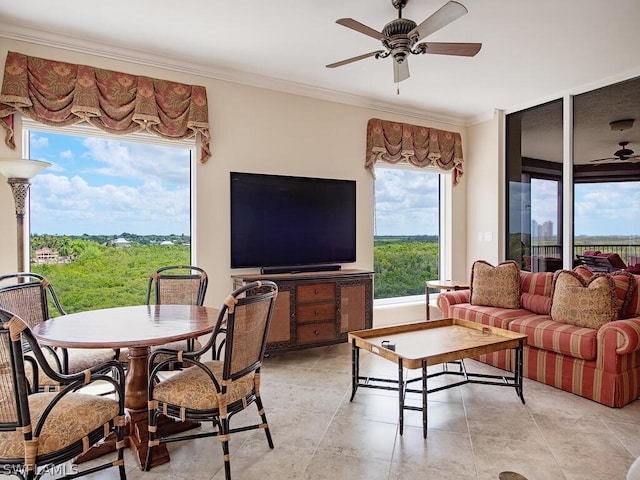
137	328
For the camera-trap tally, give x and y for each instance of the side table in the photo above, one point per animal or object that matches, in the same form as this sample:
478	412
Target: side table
443	285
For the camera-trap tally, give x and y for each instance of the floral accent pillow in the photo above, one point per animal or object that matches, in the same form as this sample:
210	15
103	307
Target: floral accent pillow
495	286
583	303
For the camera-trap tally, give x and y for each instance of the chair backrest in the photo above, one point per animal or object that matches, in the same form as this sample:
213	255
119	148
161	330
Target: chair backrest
246	316
14	407
27	295
177	284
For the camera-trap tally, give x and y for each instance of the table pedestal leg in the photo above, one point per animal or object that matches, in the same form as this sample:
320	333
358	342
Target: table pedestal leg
136	387
137	416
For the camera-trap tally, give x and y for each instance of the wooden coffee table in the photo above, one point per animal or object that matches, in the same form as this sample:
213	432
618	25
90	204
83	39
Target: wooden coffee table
422	344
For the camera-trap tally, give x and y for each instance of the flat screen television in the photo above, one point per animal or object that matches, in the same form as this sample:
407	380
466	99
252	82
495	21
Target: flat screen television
286	224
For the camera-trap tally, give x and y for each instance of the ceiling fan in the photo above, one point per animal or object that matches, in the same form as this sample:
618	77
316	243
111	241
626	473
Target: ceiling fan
623	155
400	38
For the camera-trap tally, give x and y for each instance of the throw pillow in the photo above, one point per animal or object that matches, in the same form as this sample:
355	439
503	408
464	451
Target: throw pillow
583	303
495	286
540	304
633	309
625	285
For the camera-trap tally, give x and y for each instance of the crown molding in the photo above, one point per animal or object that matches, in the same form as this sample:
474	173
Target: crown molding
159	60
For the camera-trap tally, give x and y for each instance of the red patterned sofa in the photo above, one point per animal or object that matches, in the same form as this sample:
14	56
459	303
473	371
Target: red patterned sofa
601	363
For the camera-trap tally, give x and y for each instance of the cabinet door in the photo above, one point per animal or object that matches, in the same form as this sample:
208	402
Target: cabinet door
280	328
353	309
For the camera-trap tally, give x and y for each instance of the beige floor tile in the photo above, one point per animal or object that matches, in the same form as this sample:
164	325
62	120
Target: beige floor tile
335	466
360	438
440	451
494	455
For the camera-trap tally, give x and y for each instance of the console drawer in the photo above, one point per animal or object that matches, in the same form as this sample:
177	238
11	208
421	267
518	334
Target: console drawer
316	292
316	332
316	312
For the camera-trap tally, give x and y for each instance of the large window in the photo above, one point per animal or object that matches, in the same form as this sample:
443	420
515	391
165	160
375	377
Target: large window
599	213
407	232
106	214
534	175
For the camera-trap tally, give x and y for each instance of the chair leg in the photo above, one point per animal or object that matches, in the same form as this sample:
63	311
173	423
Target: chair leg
153	415
223	436
263	415
120	439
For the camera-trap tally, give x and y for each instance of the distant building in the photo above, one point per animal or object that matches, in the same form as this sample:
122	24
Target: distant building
121	242
166	242
46	255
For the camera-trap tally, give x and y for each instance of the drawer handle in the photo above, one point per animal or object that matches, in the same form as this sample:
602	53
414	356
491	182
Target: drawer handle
316	332
316	291
316	312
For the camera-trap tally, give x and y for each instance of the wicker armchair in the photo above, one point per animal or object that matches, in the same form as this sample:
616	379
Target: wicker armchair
216	390
178	285
40	432
33	299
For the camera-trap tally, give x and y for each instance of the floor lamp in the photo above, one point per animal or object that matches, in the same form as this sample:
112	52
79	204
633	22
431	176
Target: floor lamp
18	172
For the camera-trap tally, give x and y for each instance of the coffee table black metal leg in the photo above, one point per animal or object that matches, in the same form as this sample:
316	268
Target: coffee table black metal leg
518	371
424	399
400	396
355	368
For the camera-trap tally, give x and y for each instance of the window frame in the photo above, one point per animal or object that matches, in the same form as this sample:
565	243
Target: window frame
445	226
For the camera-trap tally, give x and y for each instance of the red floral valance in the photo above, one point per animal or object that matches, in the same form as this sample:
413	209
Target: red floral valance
395	142
61	94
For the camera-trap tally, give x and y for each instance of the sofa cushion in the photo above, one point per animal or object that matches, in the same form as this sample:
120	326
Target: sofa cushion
544	333
583	303
495	286
540	304
625	283
538	283
491	316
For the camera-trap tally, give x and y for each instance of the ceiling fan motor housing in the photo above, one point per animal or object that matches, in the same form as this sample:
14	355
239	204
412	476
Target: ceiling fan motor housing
400	44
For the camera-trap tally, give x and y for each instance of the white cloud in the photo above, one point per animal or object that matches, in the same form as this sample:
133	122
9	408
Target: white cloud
114	187
407	202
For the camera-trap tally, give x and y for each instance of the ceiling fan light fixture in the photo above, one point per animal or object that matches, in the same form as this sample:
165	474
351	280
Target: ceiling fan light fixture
621	125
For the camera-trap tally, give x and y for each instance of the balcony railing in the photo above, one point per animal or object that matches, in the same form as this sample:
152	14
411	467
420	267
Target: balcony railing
626	252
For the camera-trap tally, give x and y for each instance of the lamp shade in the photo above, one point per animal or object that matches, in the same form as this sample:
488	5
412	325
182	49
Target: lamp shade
21	167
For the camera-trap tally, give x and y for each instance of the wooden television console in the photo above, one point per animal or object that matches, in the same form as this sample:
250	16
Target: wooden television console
316	308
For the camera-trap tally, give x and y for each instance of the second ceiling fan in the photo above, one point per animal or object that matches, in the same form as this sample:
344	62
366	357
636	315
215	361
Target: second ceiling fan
400	38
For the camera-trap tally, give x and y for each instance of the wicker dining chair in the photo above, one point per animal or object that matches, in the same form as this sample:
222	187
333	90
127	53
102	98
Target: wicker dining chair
41	432
33	299
218	389
178	285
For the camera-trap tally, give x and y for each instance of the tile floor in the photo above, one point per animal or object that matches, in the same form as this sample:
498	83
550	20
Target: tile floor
475	431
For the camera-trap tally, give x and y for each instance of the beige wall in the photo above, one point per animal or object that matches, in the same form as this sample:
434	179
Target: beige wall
258	130
485	230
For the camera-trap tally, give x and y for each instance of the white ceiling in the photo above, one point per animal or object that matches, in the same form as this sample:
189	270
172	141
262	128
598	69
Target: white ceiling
533	51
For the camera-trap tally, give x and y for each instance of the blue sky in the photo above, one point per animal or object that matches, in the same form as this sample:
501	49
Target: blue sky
599	208
406	202
107	187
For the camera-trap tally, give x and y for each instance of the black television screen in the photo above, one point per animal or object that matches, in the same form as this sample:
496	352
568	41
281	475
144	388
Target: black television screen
283	221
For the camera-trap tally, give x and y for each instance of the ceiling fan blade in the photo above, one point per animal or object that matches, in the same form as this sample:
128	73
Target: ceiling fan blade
354	59
449	12
400	71
447	48
359	27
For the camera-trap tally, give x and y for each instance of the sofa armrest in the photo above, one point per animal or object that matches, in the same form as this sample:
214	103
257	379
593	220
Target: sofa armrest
446	300
625	333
